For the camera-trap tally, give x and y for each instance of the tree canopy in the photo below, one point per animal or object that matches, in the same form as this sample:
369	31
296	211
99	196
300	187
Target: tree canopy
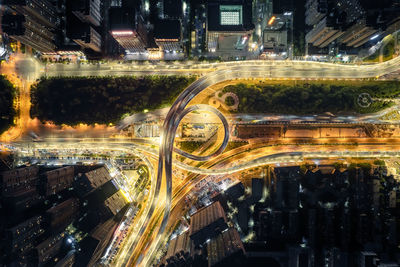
312	98
102	99
7	112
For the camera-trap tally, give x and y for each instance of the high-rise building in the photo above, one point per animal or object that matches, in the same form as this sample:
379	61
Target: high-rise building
39	24
67	261
13	24
21	238
235	191
315	11
17	180
103	233
18	189
87	37
300	256
171	29
38	235
275	41
262	11
127	26
368	259
257	186
87	11
21	200
83	24
324	32
62	214
57	180
170	9
350	23
229	25
286	188
48	249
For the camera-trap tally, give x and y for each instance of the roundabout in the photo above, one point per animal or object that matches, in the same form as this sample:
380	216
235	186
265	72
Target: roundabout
221	99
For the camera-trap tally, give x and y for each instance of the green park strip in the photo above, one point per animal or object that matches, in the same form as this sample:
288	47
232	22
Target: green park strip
314	97
102	100
7	111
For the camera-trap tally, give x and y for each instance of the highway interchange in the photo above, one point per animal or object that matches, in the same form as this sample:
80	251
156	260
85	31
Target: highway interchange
141	249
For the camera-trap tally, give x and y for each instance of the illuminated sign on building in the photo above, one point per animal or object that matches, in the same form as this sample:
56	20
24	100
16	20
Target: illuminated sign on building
122	32
231	14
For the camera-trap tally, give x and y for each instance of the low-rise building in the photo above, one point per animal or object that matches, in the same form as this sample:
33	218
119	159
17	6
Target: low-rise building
225	249
207	223
275	41
168	36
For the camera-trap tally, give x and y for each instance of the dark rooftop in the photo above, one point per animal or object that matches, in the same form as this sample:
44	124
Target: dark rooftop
222	248
173	8
79	4
206	216
168	29
121	18
14	2
13	24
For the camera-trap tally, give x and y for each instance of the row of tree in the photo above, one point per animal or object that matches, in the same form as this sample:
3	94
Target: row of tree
102	99
313	98
7	111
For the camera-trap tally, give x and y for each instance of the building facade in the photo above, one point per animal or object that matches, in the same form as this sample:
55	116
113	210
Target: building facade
38	26
87	11
229	25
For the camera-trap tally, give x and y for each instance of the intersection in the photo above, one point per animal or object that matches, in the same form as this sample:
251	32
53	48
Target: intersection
140	249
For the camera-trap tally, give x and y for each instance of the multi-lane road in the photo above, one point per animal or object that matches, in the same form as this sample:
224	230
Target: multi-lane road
250	69
227	163
145	241
254	68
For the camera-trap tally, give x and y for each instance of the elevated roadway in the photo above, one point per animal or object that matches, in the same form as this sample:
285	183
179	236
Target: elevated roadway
211	74
251	69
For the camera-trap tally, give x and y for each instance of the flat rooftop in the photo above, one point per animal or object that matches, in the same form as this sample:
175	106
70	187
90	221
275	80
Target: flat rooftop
168	29
230	16
121	19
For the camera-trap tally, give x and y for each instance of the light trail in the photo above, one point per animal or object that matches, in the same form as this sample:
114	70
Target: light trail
228	71
178	108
